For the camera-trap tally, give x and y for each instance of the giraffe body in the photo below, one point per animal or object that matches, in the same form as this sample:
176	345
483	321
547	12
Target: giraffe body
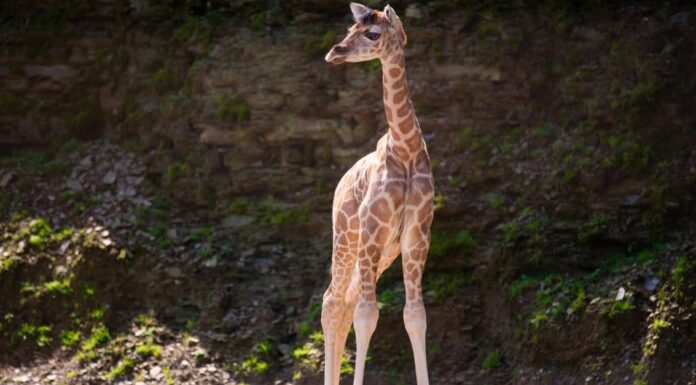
383	206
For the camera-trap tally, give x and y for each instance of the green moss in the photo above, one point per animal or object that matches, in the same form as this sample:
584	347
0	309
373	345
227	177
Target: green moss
443	285
511	232
447	242
627	153
372	66
164	78
496	201
88	118
679	272
322	44
579	301
487	31
439	201
465	137
593	227
522	284
162	240
257	21
11	104
175	172
232	107
271	214
388	298
539	319
187	30
635	102
543	130
492	361
620	307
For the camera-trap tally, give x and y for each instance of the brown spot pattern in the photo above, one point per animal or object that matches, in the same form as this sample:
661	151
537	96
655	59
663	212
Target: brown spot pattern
423	162
399	96
406	126
403	110
388	112
400	151
414	143
380	209
399	84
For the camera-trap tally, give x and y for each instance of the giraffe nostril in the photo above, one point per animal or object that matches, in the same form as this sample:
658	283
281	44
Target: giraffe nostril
340	49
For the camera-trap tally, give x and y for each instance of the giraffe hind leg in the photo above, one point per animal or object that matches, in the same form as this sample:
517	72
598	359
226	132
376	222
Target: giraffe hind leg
346	321
333	312
335	308
366	313
414	251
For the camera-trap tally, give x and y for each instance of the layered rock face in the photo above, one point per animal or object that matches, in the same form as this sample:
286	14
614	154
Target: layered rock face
247	110
228	102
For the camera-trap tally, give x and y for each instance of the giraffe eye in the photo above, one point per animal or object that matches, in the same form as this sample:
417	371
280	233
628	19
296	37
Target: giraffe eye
372	35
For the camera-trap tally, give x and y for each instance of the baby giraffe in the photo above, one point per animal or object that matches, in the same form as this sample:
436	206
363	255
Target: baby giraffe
382	206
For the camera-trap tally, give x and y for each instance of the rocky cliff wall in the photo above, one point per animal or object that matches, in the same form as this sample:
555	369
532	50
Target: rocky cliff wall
226	105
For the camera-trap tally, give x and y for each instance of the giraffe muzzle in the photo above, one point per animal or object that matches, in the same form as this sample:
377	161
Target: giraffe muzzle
337	54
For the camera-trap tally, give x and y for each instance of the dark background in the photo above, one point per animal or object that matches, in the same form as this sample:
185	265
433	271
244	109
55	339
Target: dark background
167	170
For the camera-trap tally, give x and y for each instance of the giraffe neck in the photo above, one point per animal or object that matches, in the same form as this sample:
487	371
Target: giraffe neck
401	117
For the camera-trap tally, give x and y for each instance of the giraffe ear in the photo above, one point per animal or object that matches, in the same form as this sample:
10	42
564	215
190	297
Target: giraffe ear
359	11
390	13
393	20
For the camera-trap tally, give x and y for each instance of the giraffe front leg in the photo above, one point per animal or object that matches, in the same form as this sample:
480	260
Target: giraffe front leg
416	325
414	255
331	311
364	323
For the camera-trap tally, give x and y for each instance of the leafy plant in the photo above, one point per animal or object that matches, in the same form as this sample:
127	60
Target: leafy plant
492	361
321	44
659	324
58	287
620	307
594	227
99	335
148	349
240	206
124	367
446	242
69	338
271	214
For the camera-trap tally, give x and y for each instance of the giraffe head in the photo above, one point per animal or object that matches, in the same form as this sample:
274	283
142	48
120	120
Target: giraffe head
375	35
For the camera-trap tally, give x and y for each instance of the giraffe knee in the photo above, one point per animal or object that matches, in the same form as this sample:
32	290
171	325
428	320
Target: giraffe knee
365	317
415	319
331	309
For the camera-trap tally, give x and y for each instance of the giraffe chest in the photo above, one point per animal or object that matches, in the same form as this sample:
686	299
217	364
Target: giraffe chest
382	208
